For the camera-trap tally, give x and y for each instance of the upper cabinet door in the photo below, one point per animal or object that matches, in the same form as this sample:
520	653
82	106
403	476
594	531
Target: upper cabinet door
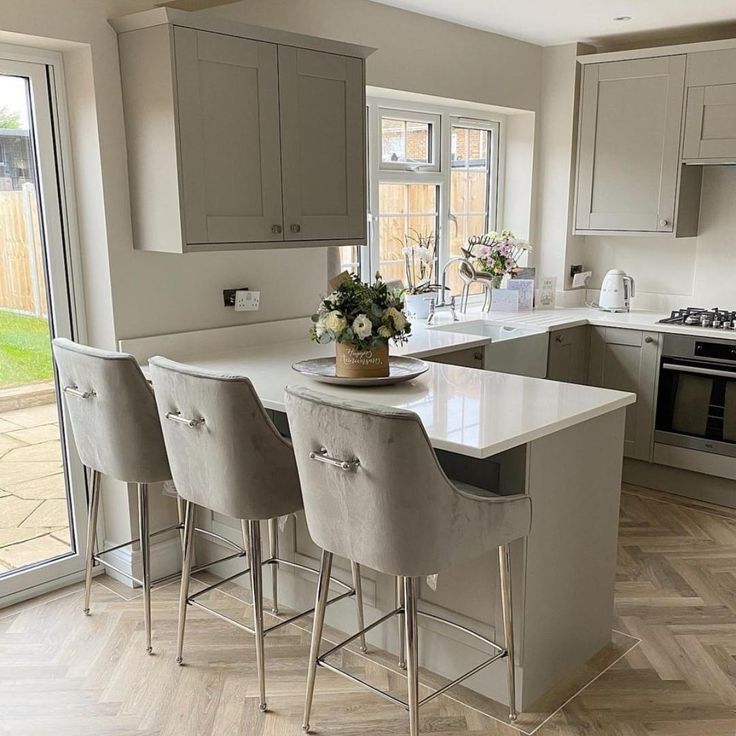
228	117
710	123
322	98
628	157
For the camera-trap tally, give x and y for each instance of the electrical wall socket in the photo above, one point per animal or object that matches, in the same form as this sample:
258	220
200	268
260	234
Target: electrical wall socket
247	301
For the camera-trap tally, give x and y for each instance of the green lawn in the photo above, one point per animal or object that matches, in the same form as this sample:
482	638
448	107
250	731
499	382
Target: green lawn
25	350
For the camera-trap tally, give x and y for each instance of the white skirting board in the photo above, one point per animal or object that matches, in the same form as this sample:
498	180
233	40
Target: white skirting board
165	559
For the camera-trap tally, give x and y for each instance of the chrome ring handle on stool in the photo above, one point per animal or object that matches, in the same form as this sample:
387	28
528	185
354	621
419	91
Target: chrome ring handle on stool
252	480
398	476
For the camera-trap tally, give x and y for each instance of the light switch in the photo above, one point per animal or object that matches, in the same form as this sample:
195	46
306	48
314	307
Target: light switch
247	301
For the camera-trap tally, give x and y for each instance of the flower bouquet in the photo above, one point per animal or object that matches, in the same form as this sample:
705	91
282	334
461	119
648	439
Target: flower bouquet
361	318
495	254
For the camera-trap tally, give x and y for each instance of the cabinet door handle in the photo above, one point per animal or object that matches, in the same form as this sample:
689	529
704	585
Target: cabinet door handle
559	338
276	229
295	228
663	222
649	339
478	355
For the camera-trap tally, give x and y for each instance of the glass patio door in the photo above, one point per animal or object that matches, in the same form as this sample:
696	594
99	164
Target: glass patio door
42	487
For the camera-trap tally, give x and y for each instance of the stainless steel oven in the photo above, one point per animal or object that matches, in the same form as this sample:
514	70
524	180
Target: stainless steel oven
696	399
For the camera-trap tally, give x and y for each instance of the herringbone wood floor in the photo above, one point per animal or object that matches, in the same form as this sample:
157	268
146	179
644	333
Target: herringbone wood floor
62	674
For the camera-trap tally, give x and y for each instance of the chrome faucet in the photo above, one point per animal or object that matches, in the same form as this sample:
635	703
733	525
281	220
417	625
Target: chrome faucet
442	303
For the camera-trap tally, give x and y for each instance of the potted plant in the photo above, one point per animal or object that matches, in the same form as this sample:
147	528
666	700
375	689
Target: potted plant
495	254
360	319
419	261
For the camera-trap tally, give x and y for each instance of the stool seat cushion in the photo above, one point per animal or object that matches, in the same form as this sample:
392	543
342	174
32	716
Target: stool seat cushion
233	460
396	511
115	425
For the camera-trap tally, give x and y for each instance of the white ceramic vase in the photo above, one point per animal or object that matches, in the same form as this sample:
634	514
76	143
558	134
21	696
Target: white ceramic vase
417	305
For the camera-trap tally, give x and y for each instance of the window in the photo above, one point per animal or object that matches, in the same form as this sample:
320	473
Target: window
431	172
408	140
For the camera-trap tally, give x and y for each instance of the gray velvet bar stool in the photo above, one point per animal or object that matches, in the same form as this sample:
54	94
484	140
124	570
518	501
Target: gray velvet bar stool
117	433
374	493
227	456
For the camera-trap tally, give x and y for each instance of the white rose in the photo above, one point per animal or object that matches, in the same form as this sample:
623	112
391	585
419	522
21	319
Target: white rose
398	319
385	331
362	326
334	322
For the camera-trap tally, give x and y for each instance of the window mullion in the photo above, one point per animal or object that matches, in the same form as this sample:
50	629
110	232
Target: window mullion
443	219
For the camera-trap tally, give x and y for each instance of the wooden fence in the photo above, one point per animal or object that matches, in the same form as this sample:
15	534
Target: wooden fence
22	278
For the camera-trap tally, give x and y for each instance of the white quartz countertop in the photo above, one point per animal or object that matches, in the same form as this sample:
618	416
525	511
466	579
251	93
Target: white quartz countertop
467	411
563	317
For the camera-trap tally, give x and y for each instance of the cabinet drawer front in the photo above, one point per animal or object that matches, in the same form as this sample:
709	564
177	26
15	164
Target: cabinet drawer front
631	114
619	336
229	137
710	123
322	99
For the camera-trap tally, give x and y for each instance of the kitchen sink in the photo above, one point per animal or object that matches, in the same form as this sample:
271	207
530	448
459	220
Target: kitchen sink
483	328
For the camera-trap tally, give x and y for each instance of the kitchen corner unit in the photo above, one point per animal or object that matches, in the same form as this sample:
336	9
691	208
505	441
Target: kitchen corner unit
241	137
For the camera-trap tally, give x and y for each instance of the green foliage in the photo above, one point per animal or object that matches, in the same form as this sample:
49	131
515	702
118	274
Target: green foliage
9	118
363	314
25	350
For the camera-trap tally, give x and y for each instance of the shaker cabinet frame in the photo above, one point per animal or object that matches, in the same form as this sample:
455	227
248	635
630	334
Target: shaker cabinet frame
241	137
628	145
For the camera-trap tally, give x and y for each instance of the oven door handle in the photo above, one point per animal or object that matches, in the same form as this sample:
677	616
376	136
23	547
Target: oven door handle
699	371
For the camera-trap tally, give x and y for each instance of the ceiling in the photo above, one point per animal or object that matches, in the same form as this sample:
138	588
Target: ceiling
549	22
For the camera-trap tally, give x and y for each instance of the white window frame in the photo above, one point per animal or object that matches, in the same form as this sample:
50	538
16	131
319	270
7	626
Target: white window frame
45	71
388	172
431	119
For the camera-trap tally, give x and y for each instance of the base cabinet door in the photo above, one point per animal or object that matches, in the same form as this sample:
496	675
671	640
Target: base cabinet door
229	138
627	360
629	145
322	100
567	358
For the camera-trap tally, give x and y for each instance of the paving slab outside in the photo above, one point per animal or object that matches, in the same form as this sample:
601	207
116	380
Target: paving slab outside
34	521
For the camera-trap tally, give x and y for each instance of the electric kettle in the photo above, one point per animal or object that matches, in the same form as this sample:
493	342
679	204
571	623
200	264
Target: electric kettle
616	292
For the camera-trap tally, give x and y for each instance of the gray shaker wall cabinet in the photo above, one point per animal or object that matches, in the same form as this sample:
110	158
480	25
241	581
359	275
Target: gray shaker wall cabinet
241	137
629	145
710	113
627	360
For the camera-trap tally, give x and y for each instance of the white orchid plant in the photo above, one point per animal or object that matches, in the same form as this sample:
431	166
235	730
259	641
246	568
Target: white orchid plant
365	315
418	250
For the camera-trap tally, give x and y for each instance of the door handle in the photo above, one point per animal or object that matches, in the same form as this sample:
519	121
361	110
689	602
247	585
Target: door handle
649	339
295	228
276	229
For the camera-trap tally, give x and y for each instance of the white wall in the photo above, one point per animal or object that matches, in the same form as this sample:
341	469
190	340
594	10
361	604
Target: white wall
672	272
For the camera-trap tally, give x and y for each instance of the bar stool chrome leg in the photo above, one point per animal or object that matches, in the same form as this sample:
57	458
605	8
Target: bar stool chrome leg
180	513
358	587
94	505
504	564
145	542
400	618
323	585
256	586
186	571
273	551
411	592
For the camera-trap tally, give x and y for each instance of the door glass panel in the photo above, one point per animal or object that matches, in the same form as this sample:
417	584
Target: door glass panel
34	502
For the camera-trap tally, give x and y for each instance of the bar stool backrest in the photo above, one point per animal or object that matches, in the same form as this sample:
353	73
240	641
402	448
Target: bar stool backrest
394	510
112	413
231	458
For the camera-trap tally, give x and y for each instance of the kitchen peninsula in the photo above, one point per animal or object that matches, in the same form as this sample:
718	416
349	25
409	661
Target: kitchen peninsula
560	443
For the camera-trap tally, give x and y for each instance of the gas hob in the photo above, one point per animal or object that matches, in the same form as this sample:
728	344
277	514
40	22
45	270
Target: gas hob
720	319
